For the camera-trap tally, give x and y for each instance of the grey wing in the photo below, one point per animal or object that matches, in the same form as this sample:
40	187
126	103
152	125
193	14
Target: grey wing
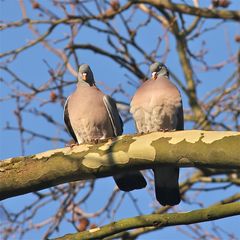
180	118
68	122
114	116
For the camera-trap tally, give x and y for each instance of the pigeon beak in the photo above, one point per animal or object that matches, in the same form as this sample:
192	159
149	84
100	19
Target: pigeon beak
154	75
84	76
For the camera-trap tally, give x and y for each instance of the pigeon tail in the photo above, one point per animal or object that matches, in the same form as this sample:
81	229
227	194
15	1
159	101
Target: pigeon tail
168	196
166	185
130	181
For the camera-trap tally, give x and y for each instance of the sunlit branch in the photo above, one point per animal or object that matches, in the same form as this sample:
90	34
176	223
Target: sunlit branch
159	221
187	148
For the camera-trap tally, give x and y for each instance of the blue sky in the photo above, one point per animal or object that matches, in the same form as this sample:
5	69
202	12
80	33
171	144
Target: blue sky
30	66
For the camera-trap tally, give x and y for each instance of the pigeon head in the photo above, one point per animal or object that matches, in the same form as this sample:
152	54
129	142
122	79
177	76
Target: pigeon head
85	75
158	69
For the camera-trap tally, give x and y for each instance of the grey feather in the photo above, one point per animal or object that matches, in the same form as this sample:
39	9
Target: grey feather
85	69
68	122
180	117
115	119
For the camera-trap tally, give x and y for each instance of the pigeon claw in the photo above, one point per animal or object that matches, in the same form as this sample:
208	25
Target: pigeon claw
71	145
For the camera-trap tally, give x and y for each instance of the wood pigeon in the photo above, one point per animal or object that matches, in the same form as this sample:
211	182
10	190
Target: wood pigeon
157	106
90	115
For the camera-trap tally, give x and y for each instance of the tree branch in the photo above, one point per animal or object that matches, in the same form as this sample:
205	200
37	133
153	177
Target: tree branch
194	148
158	220
119	59
186	9
30	44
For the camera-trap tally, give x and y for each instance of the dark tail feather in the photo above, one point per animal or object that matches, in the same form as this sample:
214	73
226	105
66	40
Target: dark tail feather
130	181
166	185
168	196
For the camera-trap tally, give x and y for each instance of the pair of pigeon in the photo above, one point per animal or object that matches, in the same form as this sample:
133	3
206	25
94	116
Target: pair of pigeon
156	106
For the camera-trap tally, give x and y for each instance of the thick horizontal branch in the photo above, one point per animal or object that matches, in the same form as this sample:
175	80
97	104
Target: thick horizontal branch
186	9
194	148
158	220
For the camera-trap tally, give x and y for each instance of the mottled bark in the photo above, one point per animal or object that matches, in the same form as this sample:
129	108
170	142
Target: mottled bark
193	148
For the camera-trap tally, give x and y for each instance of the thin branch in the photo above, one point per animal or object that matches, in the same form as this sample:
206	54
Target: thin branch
159	221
